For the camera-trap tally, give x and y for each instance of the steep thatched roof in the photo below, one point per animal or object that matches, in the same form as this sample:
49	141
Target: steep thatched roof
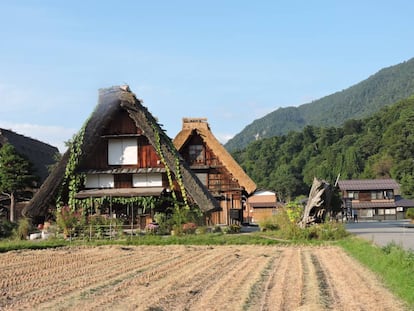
40	154
200	126
110	101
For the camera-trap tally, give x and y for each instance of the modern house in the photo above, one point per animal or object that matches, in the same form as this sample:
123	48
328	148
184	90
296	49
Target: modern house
216	169
120	156
373	199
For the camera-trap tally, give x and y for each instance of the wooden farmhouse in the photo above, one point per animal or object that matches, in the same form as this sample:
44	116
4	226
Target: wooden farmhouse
120	156
373	199
216	169
261	204
39	154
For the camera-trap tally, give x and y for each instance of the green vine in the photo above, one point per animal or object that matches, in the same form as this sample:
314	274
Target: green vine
72	180
145	202
178	176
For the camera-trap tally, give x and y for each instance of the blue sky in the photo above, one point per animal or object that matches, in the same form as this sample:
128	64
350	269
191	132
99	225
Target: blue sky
229	61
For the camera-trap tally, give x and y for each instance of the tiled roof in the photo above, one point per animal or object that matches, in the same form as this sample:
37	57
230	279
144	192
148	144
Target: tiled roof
368	184
399	202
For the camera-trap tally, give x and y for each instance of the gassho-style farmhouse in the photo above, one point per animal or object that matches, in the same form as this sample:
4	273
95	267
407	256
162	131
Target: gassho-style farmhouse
123	165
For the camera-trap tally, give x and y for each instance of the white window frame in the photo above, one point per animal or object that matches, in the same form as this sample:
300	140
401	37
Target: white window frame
123	151
99	181
147	180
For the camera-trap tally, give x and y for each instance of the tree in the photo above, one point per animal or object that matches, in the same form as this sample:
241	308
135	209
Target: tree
15	175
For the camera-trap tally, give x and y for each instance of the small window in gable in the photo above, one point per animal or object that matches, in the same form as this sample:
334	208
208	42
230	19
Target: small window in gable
99	181
196	153
122	151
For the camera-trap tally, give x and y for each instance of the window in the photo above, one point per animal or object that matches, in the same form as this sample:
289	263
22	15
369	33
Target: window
122	151
353	195
99	181
377	195
389	194
147	180
196	153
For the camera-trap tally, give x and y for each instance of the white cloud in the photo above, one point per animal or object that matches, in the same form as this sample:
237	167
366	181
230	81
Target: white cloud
53	135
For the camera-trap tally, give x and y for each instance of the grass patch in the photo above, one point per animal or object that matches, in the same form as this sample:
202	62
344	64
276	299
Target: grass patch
393	264
191	239
10	245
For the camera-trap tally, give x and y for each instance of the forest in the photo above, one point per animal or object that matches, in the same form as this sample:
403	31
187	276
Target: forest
361	100
380	146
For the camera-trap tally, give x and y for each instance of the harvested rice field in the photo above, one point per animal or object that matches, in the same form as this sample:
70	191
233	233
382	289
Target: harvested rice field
189	278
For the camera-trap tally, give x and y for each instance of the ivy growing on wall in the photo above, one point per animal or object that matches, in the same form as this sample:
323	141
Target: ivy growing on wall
147	203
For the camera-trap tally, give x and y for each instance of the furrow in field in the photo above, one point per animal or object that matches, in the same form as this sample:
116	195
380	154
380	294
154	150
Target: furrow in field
311	297
230	291
284	287
356	288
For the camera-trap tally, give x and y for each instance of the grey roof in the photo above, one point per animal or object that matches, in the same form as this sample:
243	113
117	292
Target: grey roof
368	184
40	154
399	202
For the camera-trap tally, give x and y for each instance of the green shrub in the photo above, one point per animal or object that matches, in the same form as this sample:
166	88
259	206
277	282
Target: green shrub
269	224
233	228
6	228
23	229
410	213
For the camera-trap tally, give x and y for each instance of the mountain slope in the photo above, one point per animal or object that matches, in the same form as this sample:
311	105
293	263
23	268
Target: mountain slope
380	146
361	100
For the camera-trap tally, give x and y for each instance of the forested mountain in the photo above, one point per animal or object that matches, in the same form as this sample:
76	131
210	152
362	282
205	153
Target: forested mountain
376	147
361	100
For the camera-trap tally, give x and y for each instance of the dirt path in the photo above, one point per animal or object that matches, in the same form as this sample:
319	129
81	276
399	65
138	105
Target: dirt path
189	278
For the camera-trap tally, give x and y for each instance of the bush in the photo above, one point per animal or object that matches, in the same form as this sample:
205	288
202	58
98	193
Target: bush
23	229
290	230
163	222
233	228
189	228
269	224
6	228
410	213
69	221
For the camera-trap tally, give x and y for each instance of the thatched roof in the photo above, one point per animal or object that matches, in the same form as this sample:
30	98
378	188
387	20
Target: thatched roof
200	126
40	154
111	100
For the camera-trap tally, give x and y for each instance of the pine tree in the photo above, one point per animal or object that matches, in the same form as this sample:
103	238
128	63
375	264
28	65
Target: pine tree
15	175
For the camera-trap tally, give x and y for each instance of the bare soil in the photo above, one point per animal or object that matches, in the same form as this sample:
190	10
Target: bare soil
189	278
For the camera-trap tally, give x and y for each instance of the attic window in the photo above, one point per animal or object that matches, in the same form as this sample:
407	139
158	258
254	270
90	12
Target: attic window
196	153
122	151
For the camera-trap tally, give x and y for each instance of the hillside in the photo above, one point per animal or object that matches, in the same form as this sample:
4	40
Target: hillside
361	100
375	147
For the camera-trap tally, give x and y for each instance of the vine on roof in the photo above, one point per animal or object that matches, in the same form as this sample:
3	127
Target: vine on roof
72	180
168	171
